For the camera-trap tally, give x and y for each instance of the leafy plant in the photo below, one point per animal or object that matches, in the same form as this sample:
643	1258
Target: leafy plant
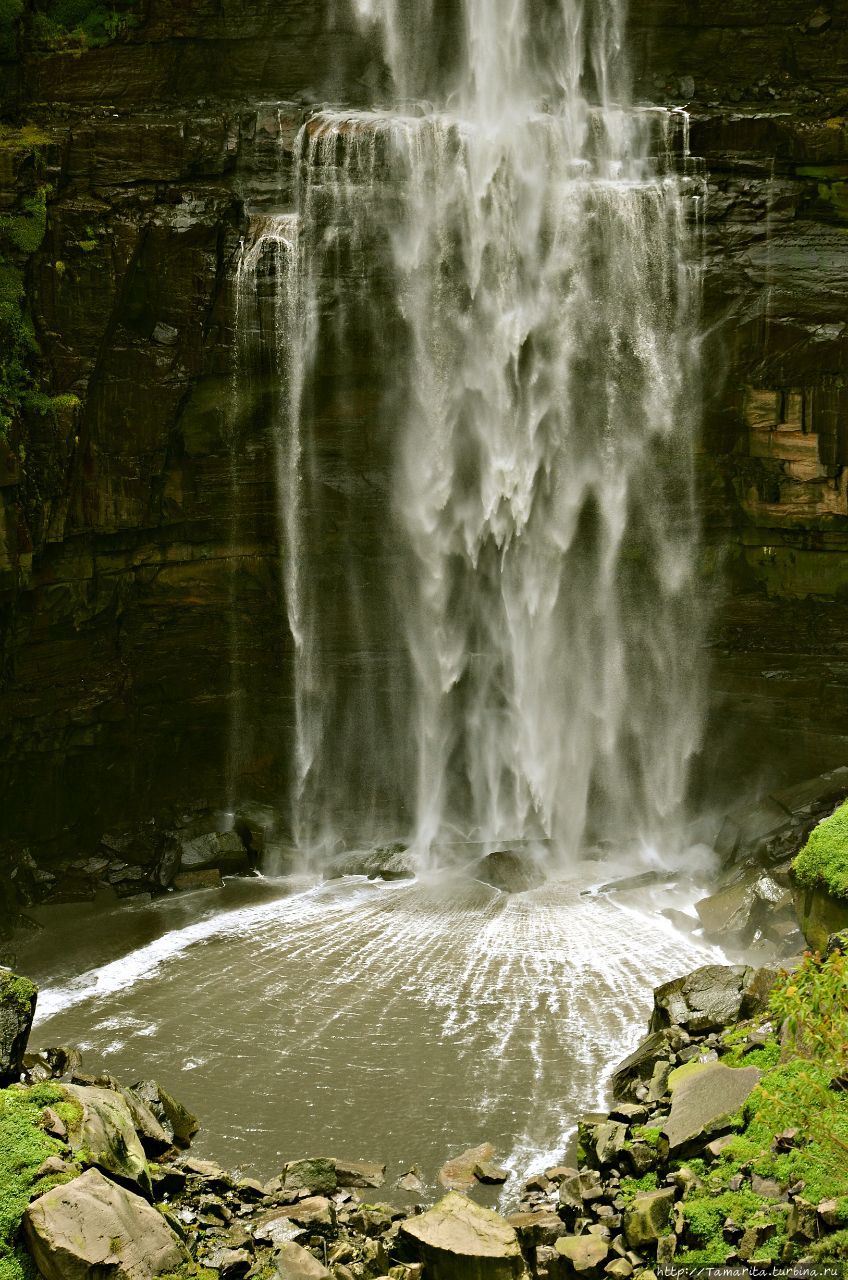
812	1007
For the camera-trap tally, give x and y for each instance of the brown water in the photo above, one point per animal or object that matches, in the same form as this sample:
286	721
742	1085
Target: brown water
400	1022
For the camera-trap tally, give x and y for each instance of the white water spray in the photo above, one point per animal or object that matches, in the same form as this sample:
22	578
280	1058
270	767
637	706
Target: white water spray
515	271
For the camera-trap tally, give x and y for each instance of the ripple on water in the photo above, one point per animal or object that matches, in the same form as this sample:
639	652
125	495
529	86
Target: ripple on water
399	1021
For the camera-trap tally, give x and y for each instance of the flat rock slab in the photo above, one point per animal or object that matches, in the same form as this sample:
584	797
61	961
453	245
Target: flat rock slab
91	1226
704	1097
360	1173
458	1174
460	1240
295	1263
585	1253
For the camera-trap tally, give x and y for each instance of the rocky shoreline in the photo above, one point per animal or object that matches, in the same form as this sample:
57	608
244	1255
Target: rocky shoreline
726	1142
102	1182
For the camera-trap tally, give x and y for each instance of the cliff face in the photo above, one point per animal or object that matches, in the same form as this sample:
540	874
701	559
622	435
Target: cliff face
130	580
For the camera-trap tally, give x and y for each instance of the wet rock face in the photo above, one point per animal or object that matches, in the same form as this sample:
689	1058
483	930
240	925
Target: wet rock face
121	587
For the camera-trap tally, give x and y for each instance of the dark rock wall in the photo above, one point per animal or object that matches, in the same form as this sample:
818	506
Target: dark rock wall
135	596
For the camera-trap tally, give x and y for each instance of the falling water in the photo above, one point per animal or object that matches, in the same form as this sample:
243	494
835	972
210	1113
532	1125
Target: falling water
506	647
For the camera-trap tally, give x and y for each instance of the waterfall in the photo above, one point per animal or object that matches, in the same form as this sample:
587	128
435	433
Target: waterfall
490	568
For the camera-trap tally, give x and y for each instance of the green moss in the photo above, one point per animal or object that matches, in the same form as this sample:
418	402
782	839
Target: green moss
632	1187
810	1009
22	138
765	1058
823	862
24	1146
81	24
833	1248
43	404
17	345
18	990
706	1214
10	13
643	1133
25	230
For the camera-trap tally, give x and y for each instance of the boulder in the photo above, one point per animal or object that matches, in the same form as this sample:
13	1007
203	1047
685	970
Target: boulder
509	871
105	1135
390	862
92	1227
177	1121
578	1189
708	999
359	1173
293	1262
537	1227
586	1254
17	1009
820	915
53	1063
489	1173
704	1098
802	1222
738	908
600	1144
313	1211
411	1182
460	1240
317	1177
153	1137
458	1173
211	1173
648	1217
216	850
638	1068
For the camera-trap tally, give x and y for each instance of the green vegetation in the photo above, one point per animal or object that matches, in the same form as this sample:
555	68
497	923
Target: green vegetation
22	232
24	1146
83	23
823	862
26	137
806	1094
632	1187
25	230
10	13
18	347
644	1133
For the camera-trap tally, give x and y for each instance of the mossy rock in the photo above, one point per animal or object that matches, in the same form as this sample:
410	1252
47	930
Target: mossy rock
820	915
821	880
17	1008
